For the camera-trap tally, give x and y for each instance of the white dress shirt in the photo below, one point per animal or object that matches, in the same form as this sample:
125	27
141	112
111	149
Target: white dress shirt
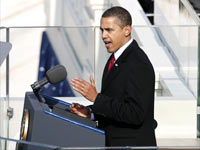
122	49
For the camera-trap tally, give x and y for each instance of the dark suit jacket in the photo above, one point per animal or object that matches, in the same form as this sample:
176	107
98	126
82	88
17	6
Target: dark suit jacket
125	106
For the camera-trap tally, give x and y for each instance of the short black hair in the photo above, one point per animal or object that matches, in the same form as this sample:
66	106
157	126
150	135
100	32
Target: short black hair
122	14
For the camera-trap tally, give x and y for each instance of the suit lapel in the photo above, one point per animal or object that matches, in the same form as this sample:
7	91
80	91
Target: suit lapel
109	77
105	74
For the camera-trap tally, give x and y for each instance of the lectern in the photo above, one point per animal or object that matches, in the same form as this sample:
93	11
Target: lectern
52	123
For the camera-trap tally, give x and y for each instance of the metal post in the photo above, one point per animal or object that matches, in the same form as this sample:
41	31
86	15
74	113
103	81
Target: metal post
7	83
198	97
9	109
7	65
94	29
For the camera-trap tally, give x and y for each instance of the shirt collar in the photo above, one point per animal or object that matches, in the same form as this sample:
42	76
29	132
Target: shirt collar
121	50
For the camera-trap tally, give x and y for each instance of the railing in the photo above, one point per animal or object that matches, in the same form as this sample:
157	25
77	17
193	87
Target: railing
180	13
53	147
92	57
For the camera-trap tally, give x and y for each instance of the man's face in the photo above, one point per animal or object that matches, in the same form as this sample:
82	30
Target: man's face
113	35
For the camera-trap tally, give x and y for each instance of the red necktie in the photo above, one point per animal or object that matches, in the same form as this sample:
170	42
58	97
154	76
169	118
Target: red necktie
112	61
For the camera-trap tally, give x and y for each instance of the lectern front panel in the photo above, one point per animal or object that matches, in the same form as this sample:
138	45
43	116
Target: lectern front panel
59	128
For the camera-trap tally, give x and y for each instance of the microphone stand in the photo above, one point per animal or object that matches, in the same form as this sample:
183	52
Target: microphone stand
36	92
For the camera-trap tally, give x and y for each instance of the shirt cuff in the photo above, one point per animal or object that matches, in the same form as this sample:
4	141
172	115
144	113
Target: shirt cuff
92	114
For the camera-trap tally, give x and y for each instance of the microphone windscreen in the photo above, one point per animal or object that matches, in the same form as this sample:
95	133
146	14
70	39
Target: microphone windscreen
56	74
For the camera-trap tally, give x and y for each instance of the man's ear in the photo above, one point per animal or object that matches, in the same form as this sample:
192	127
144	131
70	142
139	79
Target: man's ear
127	30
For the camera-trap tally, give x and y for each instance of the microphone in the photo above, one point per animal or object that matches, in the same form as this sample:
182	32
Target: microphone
53	76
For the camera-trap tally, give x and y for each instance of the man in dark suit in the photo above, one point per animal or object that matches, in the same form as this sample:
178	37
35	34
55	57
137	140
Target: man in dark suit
124	108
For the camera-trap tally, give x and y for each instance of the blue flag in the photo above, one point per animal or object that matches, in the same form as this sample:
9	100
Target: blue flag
48	59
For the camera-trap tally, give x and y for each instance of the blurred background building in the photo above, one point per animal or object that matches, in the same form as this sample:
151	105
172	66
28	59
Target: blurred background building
44	33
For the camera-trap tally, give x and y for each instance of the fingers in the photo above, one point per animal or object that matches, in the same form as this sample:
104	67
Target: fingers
74	107
80	85
88	90
80	110
92	81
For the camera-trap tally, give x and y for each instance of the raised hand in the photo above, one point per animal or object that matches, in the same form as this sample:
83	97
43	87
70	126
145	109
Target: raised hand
88	90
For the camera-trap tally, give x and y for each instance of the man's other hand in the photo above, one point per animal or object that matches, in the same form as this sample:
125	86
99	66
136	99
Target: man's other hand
80	110
88	90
